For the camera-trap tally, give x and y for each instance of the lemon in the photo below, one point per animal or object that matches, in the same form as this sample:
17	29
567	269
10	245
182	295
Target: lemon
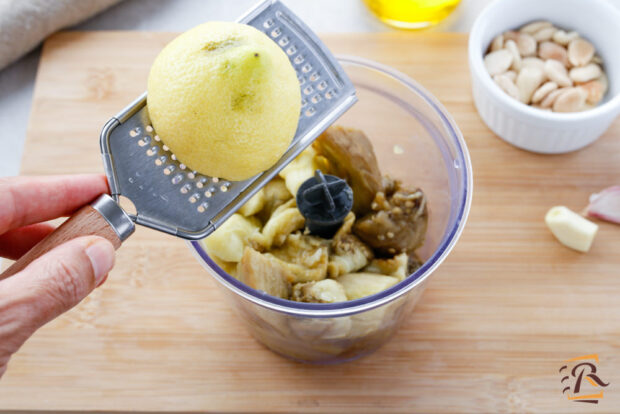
225	99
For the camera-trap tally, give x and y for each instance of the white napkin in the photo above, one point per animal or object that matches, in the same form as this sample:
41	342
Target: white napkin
24	23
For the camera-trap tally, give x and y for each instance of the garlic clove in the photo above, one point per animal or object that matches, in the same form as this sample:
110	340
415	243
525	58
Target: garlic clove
605	205
570	228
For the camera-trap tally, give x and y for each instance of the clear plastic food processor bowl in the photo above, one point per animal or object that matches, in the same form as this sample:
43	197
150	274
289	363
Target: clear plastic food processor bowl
416	141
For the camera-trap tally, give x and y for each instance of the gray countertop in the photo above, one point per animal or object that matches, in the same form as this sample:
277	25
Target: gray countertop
323	16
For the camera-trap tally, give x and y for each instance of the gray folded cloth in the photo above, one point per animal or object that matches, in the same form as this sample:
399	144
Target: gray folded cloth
24	23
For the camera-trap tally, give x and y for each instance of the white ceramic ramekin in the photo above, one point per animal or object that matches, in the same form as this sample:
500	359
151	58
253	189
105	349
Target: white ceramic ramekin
529	128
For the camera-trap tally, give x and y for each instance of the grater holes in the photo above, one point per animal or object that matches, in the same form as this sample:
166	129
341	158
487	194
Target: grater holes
224	186
156	138
149	128
134	132
330	94
310	111
161	160
201	182
314	77
169	169
304	102
298	60
203	207
275	33
268	23
306	68
194	197
191	175
210	191
186	188
177	179
322	86
315	99
165	147
284	41
182	166
144	141
173	157
291	50
152	151
215	179
308	90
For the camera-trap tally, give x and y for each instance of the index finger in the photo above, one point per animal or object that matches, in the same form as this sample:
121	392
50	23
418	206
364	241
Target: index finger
28	200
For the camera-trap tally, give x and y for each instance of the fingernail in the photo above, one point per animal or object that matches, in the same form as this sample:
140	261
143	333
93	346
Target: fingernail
101	255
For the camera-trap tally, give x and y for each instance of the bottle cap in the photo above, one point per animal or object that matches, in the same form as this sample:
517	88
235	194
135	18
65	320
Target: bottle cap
324	200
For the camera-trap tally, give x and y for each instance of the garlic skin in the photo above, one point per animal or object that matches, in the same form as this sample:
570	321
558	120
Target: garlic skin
605	205
571	229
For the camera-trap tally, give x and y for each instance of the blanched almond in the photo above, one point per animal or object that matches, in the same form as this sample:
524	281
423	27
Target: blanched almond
557	72
550	50
595	91
534	62
511	74
580	52
551	97
535	26
511	35
585	73
497	43
543	91
544	34
604	81
571	100
507	85
498	62
526	44
563	38
528	80
511	46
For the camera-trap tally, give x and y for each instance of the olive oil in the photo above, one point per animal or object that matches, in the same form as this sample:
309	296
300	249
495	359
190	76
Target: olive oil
411	14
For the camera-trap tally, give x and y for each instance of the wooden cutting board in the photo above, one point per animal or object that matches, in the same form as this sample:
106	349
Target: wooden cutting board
499	317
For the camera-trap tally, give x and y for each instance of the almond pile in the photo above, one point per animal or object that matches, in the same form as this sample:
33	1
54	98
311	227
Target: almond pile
547	67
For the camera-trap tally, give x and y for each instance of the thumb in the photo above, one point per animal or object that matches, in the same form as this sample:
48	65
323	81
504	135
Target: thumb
58	280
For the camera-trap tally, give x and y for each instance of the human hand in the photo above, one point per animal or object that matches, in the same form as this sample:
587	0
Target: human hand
59	279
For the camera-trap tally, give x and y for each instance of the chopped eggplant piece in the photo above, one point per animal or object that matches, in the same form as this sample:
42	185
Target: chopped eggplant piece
260	272
397	223
351	157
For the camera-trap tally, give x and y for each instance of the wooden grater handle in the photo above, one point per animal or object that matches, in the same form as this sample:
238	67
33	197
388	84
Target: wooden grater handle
103	218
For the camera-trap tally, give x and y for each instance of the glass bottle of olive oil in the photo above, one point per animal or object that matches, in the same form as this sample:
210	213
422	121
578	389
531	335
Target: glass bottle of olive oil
411	14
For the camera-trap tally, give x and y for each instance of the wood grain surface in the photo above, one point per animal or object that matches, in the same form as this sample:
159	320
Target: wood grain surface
500	316
85	222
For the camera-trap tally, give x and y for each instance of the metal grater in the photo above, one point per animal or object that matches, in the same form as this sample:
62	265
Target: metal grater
170	198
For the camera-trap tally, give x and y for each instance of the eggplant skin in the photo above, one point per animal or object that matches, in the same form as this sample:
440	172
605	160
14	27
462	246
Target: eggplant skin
398	220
